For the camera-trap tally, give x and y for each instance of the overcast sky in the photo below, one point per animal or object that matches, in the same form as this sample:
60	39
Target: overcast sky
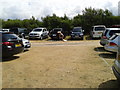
25	9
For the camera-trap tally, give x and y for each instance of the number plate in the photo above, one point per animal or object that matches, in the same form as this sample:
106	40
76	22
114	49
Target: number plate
18	45
99	32
54	34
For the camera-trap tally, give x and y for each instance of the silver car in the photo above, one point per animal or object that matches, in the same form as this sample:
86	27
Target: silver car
107	34
112	43
26	44
116	66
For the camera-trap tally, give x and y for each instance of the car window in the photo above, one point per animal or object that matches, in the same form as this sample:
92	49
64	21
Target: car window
22	30
105	33
99	28
113	32
77	30
37	30
14	30
6	37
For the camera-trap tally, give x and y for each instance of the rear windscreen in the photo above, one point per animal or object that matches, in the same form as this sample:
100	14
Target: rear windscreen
6	37
113	32
99	28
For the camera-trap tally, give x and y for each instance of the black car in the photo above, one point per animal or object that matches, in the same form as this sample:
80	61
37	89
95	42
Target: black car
54	33
11	44
21	32
77	33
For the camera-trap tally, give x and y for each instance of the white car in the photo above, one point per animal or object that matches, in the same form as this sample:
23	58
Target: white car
109	32
38	33
97	31
112	44
26	44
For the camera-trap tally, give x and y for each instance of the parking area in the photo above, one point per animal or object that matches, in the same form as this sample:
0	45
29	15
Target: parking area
58	64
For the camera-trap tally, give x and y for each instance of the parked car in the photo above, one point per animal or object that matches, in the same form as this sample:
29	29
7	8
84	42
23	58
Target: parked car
116	66
112	44
11	44
54	33
26	44
21	32
107	34
97	31
4	30
77	33
38	33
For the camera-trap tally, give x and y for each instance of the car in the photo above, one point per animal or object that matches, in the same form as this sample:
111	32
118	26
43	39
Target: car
38	33
11	44
97	31
116	65
77	33
21	32
113	43
26	44
54	33
107	34
4	30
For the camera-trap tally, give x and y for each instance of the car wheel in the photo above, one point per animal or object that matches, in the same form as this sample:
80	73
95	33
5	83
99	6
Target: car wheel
41	37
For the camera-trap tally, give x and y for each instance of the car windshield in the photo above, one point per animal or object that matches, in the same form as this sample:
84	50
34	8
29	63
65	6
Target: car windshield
56	30
77	30
113	32
22	30
99	28
37	30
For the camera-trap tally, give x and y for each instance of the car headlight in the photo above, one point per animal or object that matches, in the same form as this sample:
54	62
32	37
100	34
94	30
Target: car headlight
81	34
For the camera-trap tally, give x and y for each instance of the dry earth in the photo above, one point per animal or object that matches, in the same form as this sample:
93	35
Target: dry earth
57	64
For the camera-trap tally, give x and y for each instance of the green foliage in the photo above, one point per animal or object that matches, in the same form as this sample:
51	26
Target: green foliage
89	18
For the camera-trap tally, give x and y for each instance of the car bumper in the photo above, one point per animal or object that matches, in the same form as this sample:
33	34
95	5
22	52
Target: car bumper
111	48
34	37
116	73
76	37
11	52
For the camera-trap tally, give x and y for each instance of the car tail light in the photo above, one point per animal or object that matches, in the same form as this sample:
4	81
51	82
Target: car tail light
112	44
104	37
7	43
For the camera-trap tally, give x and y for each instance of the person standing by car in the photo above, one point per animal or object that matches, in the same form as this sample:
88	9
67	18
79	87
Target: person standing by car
60	36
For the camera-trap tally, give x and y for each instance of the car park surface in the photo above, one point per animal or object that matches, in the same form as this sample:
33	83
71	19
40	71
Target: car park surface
57	64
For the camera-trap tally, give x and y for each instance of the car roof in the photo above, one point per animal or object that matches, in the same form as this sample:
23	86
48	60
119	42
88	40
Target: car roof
6	32
77	27
113	28
40	28
99	26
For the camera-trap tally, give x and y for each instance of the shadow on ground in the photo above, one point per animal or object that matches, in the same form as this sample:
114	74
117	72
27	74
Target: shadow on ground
108	55
7	59
110	84
100	49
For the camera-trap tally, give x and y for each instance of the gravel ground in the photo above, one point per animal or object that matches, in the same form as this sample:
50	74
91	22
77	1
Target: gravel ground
57	64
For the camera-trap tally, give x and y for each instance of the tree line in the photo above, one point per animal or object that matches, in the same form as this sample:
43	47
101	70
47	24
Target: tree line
89	18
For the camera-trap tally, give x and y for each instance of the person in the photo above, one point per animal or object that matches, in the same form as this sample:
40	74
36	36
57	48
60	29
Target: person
61	36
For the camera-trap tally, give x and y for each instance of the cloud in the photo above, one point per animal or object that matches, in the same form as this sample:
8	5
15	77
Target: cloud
12	9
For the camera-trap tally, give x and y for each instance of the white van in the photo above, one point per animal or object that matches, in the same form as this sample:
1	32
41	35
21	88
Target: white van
97	31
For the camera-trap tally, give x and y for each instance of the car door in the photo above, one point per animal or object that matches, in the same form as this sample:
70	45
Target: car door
45	32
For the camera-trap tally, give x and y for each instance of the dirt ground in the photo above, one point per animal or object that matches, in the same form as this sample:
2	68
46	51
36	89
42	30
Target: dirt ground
57	64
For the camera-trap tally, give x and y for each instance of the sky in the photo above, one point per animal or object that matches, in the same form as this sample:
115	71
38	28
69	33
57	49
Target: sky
25	9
